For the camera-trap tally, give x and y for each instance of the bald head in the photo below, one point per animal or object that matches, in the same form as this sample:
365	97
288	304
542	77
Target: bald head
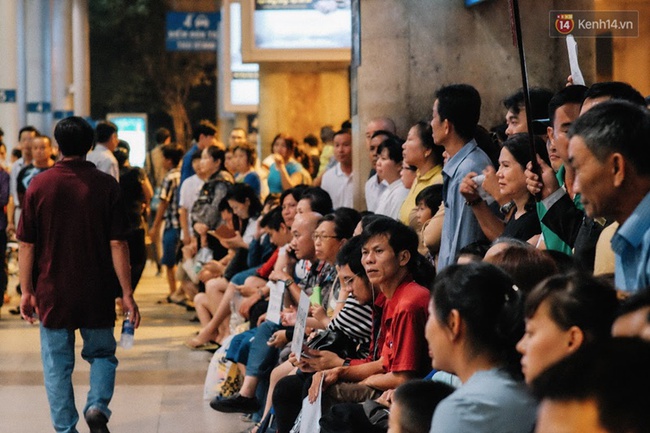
303	226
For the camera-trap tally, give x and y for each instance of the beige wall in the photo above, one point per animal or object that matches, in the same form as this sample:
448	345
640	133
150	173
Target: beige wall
299	98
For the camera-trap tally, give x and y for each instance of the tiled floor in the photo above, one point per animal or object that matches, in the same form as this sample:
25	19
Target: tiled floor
159	382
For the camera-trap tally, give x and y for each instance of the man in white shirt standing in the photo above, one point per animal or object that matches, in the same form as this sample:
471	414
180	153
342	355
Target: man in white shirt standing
102	153
338	181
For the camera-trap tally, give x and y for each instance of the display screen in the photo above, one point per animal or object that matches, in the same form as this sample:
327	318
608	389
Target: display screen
132	128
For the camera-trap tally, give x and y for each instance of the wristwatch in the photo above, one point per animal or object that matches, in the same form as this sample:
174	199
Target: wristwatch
346	362
288	282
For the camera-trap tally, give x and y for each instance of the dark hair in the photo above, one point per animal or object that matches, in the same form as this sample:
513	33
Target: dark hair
196	155
248	150
296	192
431	196
326	133
393	145
121	154
319	200
425	134
74	135
16	152
161	135
564	262
351	215
272	220
539	99
576	299
28	128
525	264
173	152
382	132
289	141
418	400
272	200
104	130
216	154
401	238
640	299
519	146
616	90
204	128
476	249
350	254
242	191
617	126
489	304
311	140
569	95
611	373
461	105
342	225
342	131
489	144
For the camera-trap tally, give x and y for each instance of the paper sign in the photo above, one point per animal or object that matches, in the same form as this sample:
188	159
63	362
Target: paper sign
311	413
275	301
301	321
572	47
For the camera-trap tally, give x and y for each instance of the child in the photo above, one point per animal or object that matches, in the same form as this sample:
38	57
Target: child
428	202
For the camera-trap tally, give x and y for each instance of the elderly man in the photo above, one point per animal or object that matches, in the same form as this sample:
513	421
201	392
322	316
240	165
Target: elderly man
609	151
69	210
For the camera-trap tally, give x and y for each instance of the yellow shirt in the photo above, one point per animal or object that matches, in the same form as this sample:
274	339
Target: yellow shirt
431	177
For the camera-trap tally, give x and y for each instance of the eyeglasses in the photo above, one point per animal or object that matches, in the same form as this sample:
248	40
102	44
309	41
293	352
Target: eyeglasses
317	237
347	281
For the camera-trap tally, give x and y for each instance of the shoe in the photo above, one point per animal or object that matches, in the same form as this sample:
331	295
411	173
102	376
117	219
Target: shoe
236	403
210	346
97	421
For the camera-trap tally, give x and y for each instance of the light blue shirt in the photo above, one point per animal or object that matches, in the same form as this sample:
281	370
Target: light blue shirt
275	180
631	245
490	401
460	226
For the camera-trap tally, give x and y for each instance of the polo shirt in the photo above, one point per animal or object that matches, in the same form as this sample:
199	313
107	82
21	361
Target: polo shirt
71	212
104	160
392	199
339	186
374	189
631	245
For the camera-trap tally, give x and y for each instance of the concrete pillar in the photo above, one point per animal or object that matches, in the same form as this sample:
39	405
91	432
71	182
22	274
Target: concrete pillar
61	59
410	48
38	72
9	118
80	58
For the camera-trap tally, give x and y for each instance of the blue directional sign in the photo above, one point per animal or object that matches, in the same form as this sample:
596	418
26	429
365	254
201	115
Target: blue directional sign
7	96
62	114
191	31
39	107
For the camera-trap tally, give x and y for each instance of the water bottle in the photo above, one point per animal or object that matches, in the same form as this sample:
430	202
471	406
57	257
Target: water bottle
128	331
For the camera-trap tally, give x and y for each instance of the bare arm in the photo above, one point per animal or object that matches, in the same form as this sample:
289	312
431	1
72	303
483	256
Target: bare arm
26	266
385	381
120	256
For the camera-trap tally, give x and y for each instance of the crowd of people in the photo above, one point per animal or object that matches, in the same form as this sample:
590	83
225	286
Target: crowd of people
495	281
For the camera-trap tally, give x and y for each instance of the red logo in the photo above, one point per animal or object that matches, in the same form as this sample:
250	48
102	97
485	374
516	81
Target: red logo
564	23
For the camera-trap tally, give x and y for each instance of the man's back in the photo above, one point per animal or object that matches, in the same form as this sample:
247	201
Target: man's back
71	213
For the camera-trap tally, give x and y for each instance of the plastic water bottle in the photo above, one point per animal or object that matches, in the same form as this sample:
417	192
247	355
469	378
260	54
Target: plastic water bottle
128	331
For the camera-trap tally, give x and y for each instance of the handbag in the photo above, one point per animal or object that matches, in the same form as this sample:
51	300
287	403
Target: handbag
334	341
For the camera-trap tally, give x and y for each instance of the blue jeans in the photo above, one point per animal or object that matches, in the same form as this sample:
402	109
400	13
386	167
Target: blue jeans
262	357
57	354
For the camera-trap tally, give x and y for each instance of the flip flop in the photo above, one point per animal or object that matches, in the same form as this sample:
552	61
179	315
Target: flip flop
210	346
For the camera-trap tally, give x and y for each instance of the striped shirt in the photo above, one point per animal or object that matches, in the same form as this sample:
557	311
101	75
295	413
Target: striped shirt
168	193
355	321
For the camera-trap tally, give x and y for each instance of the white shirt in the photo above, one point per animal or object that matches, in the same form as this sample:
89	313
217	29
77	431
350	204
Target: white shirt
374	190
13	179
391	200
190	190
104	160
339	186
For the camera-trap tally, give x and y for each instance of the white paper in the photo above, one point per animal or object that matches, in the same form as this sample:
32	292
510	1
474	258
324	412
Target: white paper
572	47
301	321
311	413
275	301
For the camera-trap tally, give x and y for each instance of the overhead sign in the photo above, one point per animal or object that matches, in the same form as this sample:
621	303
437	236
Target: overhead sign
191	31
7	96
39	107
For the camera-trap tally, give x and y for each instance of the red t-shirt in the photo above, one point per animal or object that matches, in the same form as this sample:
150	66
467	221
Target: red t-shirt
405	316
71	213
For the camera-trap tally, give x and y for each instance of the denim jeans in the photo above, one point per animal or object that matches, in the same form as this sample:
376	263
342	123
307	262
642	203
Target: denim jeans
57	354
262	357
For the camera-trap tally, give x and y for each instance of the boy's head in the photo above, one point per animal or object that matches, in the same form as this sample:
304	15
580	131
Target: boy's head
172	155
274	225
428	201
413	405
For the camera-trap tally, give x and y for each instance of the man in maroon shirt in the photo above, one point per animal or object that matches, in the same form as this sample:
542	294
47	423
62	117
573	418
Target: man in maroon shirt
74	262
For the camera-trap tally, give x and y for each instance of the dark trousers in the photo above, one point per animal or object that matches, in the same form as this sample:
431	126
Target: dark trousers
137	255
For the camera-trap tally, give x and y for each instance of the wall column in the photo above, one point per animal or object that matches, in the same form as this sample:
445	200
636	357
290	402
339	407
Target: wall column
9	118
61	59
80	58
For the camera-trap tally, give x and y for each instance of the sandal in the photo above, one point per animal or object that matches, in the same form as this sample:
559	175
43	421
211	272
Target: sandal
210	346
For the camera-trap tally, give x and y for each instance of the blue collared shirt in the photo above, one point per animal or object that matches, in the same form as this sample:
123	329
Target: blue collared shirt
631	244
460	226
